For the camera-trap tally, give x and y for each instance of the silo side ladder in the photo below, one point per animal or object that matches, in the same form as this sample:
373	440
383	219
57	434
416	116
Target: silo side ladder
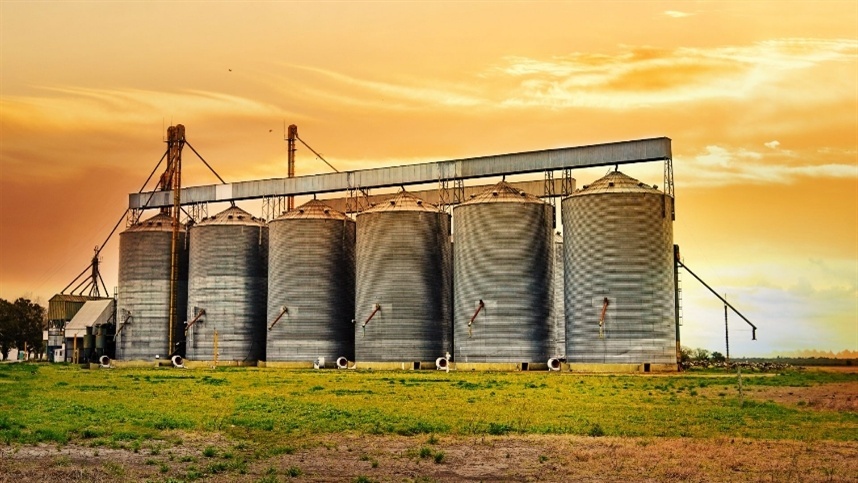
605	304
470	322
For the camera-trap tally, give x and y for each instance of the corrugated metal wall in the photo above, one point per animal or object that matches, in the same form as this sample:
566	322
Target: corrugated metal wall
504	257
403	265
312	274
144	289
228	278
618	244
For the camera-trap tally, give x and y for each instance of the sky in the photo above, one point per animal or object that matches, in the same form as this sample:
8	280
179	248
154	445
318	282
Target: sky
760	100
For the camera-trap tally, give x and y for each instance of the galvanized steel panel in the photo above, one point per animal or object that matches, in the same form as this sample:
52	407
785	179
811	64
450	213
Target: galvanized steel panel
403	265
143	305
311	272
558	317
618	244
228	278
504	257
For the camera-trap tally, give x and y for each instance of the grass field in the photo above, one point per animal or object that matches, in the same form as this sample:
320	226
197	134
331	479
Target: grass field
253	413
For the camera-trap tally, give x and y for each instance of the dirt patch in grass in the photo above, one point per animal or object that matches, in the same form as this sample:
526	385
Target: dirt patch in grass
445	458
830	397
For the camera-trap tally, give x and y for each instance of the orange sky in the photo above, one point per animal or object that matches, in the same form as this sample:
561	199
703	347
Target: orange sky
760	99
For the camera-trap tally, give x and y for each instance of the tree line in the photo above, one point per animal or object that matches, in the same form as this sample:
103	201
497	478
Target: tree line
21	325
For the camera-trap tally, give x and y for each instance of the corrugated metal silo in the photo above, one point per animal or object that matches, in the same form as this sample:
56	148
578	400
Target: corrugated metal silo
504	261
558	318
228	288
404	271
618	244
143	307
311	285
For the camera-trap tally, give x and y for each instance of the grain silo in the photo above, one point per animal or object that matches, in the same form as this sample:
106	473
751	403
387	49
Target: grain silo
558	318
227	288
619	285
403	296
311	285
503	270
143	306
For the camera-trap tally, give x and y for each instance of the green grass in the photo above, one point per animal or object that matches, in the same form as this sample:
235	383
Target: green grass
127	408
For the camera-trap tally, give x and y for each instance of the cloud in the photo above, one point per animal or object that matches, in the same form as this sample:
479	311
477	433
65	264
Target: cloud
772	144
646	76
389	95
104	125
791	311
720	166
677	14
633	77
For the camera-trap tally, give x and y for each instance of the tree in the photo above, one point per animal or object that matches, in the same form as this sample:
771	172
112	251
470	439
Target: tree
718	357
685	355
21	325
701	354
7	321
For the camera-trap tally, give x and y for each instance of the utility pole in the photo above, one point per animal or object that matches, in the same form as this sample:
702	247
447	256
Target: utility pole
726	329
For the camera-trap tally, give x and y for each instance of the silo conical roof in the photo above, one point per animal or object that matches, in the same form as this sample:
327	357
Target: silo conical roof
616	182
232	216
159	222
503	192
313	210
402	201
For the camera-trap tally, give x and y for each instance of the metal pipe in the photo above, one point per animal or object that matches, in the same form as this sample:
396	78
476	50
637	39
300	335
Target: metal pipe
290	166
753	327
605	304
473	317
119	329
176	140
197	318
283	310
376	310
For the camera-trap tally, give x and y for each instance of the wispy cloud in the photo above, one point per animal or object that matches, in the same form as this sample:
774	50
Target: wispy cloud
390	95
642	76
677	14
720	166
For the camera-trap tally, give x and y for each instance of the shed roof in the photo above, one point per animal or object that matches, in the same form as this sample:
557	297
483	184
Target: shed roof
94	312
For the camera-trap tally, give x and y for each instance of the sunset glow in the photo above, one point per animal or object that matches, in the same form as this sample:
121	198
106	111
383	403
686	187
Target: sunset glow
759	98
